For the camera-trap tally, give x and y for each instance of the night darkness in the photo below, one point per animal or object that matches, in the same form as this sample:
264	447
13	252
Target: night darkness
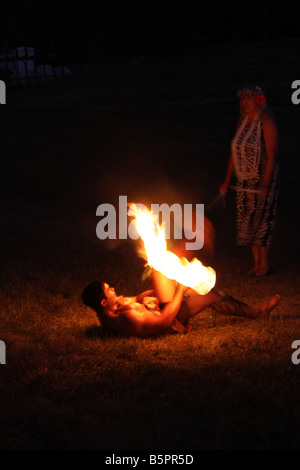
147	108
169	26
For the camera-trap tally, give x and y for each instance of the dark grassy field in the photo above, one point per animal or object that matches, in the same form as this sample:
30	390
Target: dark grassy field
156	130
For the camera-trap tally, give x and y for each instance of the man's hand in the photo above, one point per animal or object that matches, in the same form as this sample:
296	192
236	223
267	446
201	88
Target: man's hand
147	293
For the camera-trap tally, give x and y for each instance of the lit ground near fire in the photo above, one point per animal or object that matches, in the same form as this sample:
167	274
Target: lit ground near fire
156	130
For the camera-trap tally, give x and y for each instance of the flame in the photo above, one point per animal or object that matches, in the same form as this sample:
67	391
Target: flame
190	274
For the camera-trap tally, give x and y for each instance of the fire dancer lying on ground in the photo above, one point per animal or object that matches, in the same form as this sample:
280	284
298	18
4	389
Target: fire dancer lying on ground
167	305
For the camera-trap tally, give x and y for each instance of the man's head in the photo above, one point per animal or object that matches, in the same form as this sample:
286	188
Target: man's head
99	295
93	294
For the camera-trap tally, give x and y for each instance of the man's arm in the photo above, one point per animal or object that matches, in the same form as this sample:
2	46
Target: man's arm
134	321
152	324
142	295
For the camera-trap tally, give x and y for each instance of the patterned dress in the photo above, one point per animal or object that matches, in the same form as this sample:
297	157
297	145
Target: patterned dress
255	217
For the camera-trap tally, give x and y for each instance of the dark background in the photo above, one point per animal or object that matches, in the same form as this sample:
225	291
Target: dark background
142	27
154	117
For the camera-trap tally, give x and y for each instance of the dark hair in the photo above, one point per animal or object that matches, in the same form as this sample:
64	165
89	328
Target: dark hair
93	295
253	90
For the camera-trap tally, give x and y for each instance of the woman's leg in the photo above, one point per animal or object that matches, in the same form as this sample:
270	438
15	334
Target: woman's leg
264	261
256	258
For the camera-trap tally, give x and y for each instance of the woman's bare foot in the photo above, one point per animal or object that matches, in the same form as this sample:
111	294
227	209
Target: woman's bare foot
253	270
267	308
262	272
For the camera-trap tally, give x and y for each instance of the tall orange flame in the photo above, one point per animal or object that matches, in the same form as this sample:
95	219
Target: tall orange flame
190	274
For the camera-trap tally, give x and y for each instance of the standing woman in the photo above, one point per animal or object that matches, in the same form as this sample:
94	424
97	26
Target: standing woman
253	160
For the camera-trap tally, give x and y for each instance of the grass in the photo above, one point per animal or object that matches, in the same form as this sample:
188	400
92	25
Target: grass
156	130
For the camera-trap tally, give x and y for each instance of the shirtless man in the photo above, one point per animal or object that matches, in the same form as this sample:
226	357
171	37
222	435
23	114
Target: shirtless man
167	305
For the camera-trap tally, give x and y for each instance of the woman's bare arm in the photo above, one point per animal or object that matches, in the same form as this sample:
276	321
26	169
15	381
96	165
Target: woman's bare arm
230	170
271	142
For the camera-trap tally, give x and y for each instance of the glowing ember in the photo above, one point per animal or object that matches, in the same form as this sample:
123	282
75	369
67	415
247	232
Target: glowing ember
190	274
